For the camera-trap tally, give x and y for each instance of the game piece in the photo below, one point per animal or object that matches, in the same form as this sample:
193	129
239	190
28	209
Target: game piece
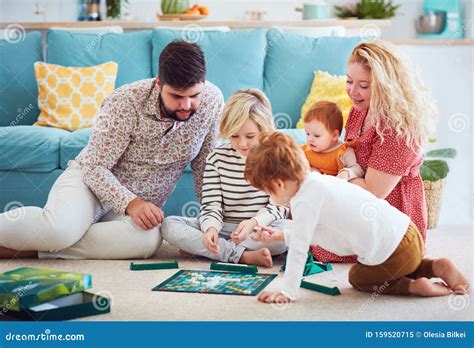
152	266
312	267
213	282
320	288
232	267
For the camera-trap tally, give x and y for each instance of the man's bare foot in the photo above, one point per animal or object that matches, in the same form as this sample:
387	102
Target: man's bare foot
260	257
6	253
424	287
445	269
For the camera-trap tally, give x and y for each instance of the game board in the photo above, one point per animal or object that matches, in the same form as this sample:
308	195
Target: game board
213	282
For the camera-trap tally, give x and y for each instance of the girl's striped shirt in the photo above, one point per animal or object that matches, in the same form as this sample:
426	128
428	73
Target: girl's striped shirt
228	197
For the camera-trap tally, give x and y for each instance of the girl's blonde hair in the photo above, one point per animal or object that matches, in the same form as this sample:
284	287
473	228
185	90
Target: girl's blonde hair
245	104
399	101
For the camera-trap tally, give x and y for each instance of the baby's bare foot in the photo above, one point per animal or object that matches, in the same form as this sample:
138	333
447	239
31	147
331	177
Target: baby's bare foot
445	269
260	257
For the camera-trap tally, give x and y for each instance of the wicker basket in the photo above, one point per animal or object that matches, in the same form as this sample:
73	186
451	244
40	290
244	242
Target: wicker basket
434	198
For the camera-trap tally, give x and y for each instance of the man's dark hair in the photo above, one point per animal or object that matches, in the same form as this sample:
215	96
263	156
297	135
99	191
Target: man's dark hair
181	65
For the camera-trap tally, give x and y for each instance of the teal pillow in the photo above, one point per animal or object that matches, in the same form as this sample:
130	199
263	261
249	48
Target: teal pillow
289	69
234	59
18	88
72	144
131	51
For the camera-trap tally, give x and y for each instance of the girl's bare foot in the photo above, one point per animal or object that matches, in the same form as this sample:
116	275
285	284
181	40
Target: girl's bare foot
260	257
424	287
447	270
185	253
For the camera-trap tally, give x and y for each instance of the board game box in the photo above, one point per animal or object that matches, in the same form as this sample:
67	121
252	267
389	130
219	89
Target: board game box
28	286
215	282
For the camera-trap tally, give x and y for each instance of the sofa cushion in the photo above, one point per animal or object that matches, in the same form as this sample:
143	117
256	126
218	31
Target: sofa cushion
131	51
30	148
290	64
72	144
25	189
233	59
18	89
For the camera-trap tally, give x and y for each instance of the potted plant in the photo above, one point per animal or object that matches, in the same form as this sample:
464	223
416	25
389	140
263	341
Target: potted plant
367	9
434	171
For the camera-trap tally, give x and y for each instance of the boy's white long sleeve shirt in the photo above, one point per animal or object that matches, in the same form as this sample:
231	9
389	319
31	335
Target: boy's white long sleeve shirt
342	218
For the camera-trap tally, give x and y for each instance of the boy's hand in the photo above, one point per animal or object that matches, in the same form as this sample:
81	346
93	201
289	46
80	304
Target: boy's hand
268	235
145	214
243	230
273	297
210	240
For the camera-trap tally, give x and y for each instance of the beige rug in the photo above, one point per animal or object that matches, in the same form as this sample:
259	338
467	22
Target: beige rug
133	299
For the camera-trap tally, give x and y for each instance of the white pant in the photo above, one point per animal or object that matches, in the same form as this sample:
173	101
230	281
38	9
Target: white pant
185	234
74	225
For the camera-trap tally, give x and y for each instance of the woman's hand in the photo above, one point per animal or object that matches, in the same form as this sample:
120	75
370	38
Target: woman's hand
377	182
210	240
273	297
268	235
243	230
145	214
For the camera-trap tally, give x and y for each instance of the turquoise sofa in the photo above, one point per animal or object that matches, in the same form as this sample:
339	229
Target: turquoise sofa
31	157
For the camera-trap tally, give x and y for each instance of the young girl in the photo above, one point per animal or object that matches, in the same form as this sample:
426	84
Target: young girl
231	208
323	150
388	245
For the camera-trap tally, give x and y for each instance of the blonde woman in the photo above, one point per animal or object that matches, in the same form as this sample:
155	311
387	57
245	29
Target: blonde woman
231	208
392	116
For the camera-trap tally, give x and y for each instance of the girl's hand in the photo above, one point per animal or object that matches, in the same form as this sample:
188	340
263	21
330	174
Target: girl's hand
243	230
268	235
273	297
210	240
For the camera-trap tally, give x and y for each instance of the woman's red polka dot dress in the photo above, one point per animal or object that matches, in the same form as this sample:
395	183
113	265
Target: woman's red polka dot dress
390	156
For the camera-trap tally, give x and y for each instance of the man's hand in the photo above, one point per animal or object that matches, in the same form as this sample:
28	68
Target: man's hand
243	230
268	235
210	240
273	297
145	214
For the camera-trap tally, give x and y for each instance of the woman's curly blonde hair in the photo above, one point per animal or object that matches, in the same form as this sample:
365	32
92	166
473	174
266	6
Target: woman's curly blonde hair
400	102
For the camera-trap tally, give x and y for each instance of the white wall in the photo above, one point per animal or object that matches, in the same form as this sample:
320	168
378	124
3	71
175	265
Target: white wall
449	74
145	10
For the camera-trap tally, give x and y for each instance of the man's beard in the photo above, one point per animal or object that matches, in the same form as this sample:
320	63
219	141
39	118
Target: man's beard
174	114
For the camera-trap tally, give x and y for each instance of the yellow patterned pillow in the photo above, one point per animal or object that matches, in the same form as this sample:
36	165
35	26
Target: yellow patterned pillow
70	97
327	87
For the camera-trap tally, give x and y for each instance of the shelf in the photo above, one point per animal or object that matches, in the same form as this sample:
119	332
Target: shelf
205	23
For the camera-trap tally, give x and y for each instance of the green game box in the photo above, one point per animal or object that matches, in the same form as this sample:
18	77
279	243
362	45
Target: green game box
81	304
29	286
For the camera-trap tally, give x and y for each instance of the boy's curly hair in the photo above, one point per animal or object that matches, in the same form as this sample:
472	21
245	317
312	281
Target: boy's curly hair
277	157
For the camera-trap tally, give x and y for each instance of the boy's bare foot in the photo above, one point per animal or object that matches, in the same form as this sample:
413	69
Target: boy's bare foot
424	287
445	269
260	257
